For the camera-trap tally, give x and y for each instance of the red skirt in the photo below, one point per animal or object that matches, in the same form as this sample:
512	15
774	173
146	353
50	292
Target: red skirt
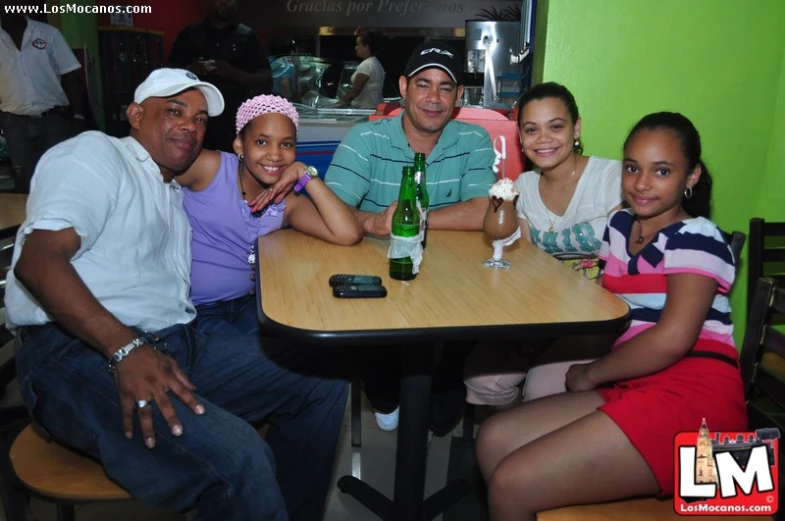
652	409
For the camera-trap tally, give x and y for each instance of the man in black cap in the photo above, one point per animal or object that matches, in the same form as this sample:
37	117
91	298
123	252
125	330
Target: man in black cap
366	169
366	174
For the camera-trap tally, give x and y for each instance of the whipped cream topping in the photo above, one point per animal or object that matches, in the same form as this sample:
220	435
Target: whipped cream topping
503	189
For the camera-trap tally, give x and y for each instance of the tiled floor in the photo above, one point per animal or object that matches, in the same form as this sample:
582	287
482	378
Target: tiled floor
374	462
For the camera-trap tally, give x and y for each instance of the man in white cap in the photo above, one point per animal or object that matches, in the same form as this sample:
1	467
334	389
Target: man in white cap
109	362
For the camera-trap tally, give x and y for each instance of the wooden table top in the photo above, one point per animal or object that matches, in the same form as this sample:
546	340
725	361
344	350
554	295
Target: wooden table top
454	295
12	213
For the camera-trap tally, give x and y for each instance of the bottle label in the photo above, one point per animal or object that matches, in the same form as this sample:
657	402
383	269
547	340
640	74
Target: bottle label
422	218
405	248
423	222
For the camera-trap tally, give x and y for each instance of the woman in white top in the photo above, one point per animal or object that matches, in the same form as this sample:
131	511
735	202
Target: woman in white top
563	208
564	203
368	79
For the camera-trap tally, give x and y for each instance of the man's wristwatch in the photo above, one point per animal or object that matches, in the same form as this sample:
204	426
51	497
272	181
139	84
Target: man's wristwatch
310	173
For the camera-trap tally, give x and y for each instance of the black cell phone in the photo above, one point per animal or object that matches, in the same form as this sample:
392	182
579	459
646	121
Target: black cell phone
359	291
355	280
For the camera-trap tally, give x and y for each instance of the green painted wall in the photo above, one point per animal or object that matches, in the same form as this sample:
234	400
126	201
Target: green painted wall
719	62
772	197
82	30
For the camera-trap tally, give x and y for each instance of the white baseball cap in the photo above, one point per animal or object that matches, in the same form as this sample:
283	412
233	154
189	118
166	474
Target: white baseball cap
163	83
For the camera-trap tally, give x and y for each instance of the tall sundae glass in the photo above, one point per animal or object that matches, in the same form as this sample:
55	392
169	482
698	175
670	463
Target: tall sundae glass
501	222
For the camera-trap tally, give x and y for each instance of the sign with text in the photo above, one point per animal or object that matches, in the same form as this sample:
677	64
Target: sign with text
373	13
726	473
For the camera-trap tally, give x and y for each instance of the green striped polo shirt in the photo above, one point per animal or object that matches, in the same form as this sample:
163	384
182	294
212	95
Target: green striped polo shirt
366	169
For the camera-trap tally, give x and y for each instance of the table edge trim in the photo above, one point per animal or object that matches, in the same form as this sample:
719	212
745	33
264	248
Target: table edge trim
393	336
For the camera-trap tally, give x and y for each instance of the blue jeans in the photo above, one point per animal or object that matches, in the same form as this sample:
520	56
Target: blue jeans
237	316
220	464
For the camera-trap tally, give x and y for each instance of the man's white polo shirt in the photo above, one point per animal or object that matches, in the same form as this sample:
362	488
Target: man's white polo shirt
30	77
135	254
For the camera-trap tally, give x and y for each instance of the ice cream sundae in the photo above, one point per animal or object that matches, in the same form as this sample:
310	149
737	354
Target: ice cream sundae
500	220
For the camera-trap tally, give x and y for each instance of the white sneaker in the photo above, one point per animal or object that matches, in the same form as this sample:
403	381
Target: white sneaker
387	422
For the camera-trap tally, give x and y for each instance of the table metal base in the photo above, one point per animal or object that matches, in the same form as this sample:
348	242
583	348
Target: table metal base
410	460
386	508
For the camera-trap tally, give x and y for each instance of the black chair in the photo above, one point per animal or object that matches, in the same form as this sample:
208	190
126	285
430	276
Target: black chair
763	357
6	252
736	242
7	369
12	419
763	363
766	254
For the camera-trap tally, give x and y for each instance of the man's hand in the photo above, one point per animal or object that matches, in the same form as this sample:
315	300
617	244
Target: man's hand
223	69
278	191
578	378
147	374
198	67
381	223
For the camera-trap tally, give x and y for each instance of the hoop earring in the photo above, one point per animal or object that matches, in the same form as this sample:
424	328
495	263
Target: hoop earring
688	192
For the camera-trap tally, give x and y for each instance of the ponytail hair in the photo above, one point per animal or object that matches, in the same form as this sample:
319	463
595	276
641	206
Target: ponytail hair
699	203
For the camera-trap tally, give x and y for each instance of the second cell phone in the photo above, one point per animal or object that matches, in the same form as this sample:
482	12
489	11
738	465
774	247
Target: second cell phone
355	280
359	291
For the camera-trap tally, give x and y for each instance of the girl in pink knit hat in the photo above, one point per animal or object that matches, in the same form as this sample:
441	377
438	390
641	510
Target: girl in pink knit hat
233	198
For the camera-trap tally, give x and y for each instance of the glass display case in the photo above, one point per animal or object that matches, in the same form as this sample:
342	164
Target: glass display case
311	81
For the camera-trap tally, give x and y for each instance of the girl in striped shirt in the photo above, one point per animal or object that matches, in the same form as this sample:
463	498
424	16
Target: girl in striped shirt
611	436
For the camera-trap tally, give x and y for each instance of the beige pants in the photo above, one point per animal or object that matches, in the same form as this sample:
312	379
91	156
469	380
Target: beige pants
495	370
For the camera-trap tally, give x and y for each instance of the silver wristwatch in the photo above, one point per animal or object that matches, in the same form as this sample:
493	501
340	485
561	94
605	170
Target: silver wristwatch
309	173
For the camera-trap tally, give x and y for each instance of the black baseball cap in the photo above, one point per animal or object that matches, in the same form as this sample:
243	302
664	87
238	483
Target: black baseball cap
435	54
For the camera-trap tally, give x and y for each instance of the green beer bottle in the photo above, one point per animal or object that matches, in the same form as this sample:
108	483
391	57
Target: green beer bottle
405	224
422	195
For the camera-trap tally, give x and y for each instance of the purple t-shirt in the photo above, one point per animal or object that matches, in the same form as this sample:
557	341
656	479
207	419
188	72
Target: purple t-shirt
223	245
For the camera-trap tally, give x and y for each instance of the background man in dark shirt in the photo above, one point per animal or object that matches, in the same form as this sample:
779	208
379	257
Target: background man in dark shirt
229	56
